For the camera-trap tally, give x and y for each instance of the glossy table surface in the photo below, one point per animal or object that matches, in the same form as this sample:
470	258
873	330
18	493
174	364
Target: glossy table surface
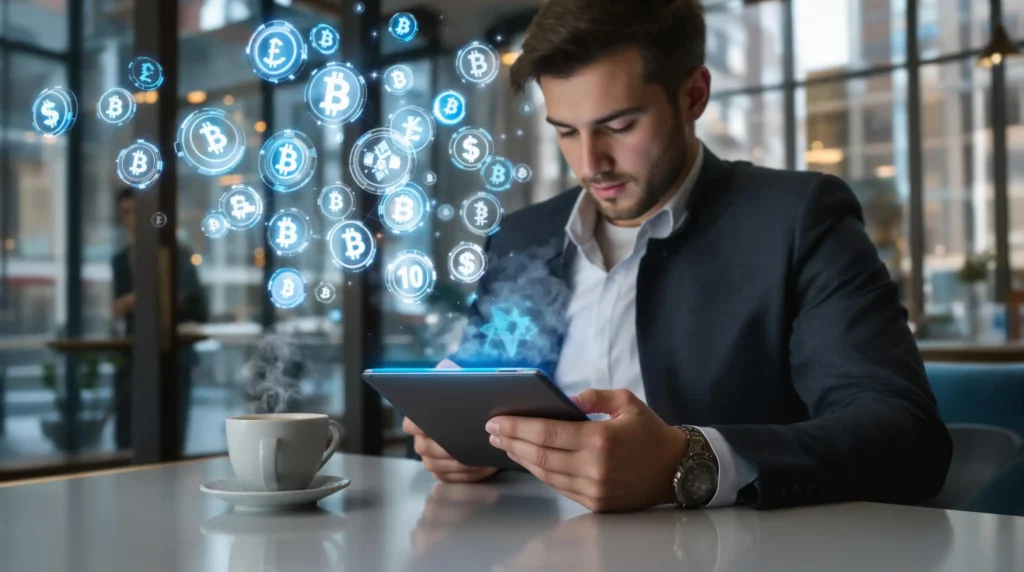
395	516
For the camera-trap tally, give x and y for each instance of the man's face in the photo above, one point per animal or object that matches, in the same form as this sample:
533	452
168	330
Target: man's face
626	141
127	209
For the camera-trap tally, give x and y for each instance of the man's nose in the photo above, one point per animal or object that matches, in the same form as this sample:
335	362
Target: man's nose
595	158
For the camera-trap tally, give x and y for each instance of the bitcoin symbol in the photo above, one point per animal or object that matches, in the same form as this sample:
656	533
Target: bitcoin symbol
289	161
398	79
159	220
214	138
452	106
288	289
522	173
139	163
147	68
354	246
326	39
336	202
241	207
275	48
115	107
214	225
412	128
479	63
472	153
403	210
325	293
482	213
498	175
51	116
287	232
467	264
336	98
403	26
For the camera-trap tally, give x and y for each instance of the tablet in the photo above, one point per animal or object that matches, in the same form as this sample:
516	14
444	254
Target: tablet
453	405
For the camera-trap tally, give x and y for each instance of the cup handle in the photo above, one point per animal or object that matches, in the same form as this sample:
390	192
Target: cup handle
337	432
268	463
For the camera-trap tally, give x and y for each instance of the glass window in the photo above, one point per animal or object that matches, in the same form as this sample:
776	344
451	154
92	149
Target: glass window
951	26
836	36
744	44
41	23
746	128
1015	147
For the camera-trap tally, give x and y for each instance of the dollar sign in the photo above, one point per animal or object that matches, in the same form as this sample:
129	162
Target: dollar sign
275	48
354	246
467	264
114	107
472	153
139	163
51	116
481	213
288	289
336	202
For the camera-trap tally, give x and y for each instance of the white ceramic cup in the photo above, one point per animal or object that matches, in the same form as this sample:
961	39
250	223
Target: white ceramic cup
280	451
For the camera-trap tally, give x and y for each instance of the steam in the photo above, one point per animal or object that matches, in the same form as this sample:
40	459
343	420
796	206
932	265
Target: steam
273	374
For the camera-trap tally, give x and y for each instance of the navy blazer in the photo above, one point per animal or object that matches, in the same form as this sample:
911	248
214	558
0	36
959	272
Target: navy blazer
769	316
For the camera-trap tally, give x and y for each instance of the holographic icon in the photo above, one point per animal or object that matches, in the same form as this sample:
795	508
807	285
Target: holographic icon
498	174
415	124
325	293
210	141
146	73
411	277
358	7
215	225
352	246
158	219
398	80
382	159
470	147
446	212
54	111
139	164
527	108
337	201
449	108
429	178
481	213
241	206
116	106
288	232
404	209
477	63
523	173
287	161
287	288
403	26
335	94
509	327
277	51
467	262
324	39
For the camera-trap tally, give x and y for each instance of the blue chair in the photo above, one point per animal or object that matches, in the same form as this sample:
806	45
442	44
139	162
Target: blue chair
991	394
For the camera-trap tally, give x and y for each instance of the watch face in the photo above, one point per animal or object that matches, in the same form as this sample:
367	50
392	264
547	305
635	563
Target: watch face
699	482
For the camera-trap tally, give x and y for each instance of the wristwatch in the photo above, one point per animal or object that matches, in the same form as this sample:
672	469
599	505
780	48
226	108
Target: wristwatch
696	479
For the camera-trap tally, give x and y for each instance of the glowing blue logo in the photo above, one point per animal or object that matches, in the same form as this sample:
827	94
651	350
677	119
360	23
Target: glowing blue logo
482	213
403	26
470	147
288	232
416	125
336	201
335	94
411	277
352	246
382	159
398	80
215	225
242	207
210	141
429	178
507	329
404	209
287	161
287	288
446	212
277	51
449	108
498	174
467	262
358	7
523	173
146	73
54	111
325	293
116	106
324	39
477	63
139	164
526	108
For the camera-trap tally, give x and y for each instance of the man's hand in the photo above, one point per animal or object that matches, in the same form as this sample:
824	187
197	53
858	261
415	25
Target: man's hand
437	460
624	463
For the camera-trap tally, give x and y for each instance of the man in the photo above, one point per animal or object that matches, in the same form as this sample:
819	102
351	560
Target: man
191	308
744	302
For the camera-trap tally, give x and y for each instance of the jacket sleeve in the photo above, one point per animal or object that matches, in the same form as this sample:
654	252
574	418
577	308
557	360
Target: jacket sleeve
874	432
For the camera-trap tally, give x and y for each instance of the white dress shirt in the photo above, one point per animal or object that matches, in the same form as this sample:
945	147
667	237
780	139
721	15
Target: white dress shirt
600	348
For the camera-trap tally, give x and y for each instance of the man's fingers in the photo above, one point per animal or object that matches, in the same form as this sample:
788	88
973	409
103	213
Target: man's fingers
427	447
566	484
410	428
610	401
557	460
568	435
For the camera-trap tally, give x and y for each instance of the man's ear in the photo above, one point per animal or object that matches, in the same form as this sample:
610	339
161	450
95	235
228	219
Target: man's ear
694	93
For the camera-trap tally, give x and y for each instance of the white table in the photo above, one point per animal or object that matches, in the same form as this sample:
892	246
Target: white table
395	516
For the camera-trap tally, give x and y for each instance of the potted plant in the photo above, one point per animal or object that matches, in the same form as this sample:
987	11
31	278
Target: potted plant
89	420
974	275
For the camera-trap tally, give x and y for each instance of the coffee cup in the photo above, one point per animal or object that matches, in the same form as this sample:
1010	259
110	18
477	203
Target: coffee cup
280	451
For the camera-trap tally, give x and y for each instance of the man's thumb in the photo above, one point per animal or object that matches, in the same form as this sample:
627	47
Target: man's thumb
610	401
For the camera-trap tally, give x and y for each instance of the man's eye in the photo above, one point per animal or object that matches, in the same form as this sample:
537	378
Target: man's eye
565	134
622	129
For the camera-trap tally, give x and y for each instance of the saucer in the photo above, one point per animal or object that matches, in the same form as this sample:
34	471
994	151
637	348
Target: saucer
232	491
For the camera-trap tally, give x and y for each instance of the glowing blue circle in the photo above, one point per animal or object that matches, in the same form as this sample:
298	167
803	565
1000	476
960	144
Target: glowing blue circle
54	111
498	174
139	164
210	141
446	212
411	277
403	26
527	108
288	232
398	80
287	288
415	124
335	94
477	63
358	7
467	262
287	161
352	245
242	207
482	213
146	73
470	147
403	210
382	159
449	108
277	51
429	178
325	293
324	39
215	225
116	106
523	173
336	201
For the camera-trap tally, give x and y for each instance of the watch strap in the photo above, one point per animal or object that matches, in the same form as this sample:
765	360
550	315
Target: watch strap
697	448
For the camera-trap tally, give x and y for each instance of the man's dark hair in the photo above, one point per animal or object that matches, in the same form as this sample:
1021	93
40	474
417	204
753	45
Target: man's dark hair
567	35
126	193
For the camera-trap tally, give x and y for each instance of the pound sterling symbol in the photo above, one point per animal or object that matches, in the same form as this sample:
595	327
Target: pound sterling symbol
275	48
